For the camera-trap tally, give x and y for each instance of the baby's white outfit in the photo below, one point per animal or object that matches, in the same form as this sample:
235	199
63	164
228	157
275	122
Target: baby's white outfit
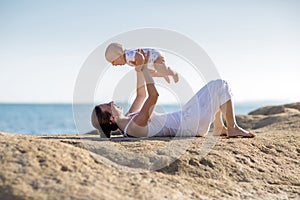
196	115
153	55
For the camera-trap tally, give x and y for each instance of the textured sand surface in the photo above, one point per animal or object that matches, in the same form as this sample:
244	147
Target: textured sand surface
87	167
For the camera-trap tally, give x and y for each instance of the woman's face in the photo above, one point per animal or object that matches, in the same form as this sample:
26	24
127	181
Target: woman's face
117	111
106	107
112	108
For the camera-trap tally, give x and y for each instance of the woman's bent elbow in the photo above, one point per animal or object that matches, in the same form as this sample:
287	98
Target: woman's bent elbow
154	96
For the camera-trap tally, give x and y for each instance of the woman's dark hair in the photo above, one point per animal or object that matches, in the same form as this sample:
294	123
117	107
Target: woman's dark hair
101	121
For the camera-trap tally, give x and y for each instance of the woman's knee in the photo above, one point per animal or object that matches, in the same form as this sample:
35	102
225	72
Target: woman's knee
217	84
220	89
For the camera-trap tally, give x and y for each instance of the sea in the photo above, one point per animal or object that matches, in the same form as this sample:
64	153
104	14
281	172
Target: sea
37	119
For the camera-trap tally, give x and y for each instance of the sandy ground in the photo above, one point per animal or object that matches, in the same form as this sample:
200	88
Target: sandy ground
88	167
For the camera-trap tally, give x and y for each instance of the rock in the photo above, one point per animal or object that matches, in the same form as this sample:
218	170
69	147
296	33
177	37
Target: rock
272	110
293	105
268	110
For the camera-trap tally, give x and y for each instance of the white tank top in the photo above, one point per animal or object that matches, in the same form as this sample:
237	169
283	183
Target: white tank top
159	124
133	115
164	124
168	125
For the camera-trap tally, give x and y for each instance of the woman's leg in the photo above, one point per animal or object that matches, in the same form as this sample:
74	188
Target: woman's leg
233	129
219	127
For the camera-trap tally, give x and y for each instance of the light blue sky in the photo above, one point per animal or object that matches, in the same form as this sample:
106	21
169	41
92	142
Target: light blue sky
255	45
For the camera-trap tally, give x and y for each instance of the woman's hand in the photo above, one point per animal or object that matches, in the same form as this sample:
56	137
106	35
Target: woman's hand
146	57
141	60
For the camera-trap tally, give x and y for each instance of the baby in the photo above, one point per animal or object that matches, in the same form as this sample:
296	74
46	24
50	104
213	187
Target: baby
117	55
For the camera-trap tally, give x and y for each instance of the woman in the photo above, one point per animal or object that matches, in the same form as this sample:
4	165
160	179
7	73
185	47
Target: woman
205	107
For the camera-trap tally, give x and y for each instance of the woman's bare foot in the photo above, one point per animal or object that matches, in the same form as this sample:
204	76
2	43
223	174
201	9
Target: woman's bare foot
239	132
220	131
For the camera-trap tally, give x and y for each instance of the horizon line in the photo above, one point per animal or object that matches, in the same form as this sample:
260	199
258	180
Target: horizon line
275	101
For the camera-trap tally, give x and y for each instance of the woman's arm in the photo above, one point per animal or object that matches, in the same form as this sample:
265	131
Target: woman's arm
142	118
140	93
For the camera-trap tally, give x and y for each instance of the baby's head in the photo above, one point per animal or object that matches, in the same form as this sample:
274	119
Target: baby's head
113	52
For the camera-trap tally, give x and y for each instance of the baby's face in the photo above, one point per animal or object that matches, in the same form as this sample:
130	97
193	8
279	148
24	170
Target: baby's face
118	61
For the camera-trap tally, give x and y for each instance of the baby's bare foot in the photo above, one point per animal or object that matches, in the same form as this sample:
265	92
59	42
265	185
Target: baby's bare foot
173	74
167	79
175	77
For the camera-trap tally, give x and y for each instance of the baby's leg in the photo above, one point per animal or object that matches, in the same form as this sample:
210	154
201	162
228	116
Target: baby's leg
173	74
162	69
155	73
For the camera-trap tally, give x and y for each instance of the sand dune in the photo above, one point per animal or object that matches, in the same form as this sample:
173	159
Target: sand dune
87	167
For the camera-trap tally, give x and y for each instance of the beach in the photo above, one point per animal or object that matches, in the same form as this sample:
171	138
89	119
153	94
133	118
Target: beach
86	167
